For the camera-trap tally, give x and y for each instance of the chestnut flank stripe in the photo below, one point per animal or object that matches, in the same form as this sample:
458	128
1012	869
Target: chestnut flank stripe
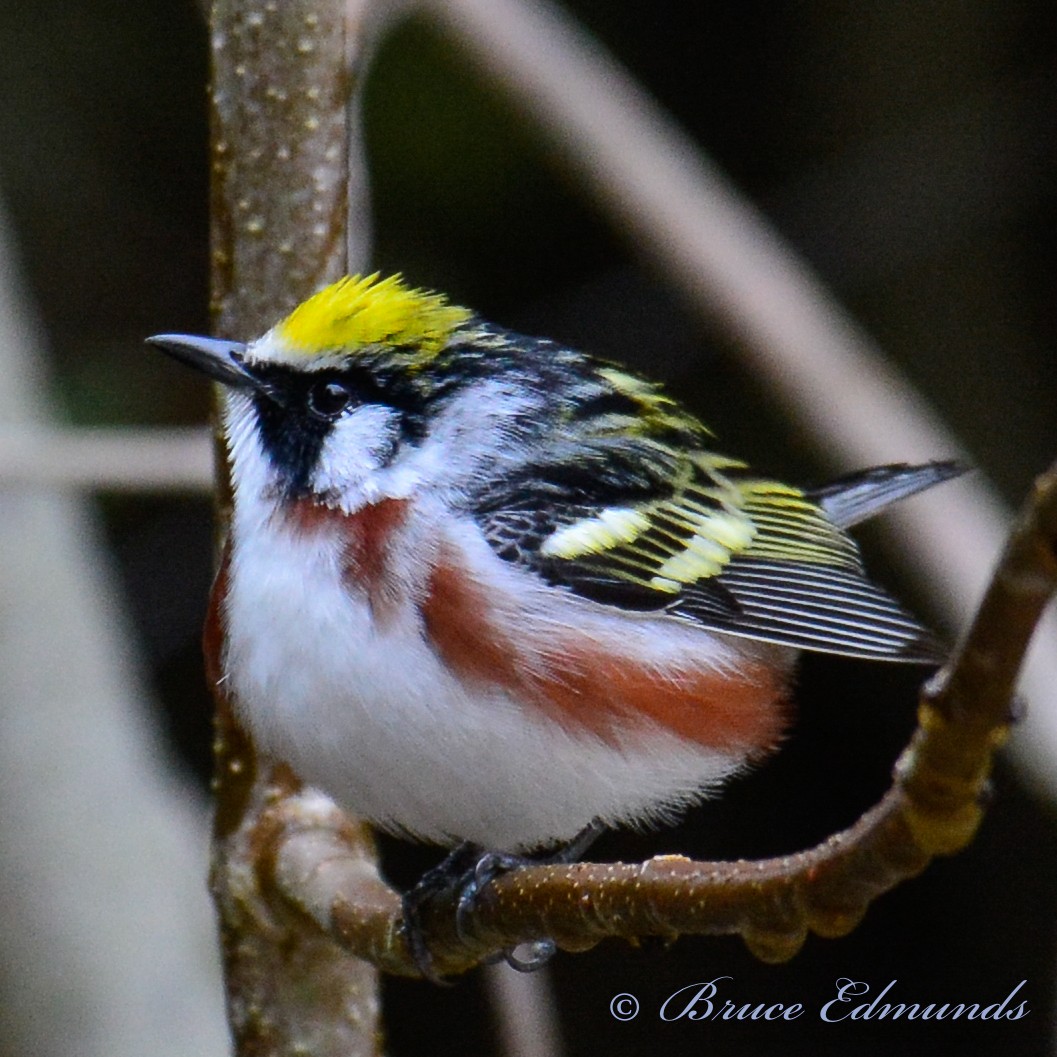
583	687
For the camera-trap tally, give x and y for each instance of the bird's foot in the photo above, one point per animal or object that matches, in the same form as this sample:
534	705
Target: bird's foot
526	957
464	874
446	877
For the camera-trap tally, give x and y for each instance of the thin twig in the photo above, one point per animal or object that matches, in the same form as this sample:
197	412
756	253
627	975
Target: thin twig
125	459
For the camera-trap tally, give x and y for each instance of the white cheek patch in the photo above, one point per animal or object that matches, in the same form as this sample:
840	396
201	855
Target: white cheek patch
356	448
471	439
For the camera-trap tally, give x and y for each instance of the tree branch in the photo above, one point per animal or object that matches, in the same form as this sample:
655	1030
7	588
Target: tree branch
281	87
122	459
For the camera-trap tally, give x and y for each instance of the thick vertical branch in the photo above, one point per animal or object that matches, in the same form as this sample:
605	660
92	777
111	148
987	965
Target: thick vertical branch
280	93
281	87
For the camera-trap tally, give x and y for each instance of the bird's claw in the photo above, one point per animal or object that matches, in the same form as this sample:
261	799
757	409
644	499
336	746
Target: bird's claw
467	886
463	875
525	957
487	868
446	876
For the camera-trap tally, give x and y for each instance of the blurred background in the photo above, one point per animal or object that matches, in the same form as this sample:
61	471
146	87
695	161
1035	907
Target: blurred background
905	150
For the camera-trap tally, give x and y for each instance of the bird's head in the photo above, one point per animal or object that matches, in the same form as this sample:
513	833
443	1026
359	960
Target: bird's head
345	393
372	388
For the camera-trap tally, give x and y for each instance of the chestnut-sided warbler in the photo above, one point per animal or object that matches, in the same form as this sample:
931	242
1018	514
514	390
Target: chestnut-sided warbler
482	587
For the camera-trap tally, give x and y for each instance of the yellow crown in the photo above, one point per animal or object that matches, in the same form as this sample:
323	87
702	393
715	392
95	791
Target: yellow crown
359	311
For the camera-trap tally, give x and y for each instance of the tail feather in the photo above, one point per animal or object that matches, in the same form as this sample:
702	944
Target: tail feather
852	499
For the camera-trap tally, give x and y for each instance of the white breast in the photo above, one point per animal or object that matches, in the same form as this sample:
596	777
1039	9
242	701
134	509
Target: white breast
373	717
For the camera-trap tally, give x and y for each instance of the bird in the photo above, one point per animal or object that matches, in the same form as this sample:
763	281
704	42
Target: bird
483	589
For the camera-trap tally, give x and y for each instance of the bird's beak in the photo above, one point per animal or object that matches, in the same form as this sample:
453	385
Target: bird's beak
222	360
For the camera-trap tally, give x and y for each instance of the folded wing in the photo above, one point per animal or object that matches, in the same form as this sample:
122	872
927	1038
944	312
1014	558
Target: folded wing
730	551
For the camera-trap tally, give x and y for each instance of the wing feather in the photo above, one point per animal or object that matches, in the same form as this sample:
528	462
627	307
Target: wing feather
859	496
728	550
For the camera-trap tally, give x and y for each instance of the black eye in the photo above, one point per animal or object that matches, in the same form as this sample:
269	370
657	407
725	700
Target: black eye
328	399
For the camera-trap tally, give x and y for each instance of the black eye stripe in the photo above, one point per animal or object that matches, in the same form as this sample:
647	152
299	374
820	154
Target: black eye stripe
298	390
297	409
291	441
